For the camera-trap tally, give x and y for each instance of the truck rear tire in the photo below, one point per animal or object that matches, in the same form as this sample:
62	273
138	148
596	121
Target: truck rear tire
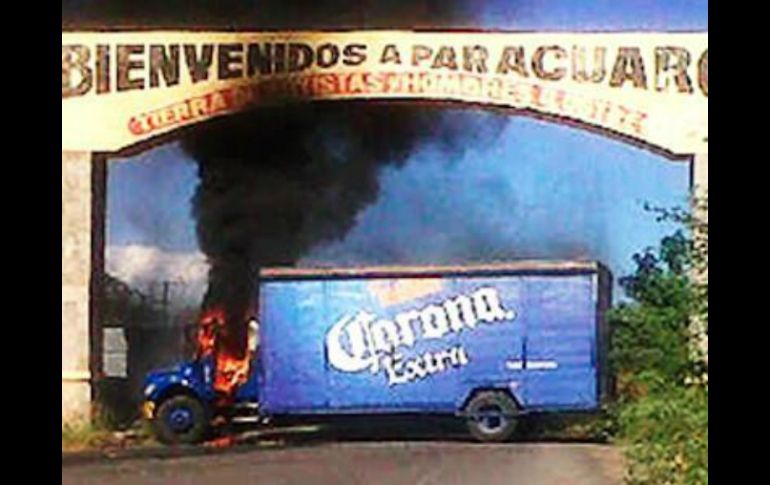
181	420
491	416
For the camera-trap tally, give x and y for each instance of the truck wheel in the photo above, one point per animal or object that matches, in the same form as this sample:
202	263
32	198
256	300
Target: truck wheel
180	420
491	416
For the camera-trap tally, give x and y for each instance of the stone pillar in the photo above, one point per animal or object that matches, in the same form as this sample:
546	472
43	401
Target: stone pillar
76	183
700	174
699	186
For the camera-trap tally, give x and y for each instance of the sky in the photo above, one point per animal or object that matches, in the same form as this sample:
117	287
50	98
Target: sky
540	188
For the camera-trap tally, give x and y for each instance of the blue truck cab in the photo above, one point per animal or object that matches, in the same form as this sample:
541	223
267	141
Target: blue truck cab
486	343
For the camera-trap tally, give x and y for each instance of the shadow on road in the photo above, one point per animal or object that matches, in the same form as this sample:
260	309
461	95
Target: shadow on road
358	429
287	433
569	429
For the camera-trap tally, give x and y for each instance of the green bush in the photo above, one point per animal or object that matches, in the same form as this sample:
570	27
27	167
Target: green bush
652	334
661	415
667	436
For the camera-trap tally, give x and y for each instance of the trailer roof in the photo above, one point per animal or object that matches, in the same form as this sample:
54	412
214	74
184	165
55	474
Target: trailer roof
524	266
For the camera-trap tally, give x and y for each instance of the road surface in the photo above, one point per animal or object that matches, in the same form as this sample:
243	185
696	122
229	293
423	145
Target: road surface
369	463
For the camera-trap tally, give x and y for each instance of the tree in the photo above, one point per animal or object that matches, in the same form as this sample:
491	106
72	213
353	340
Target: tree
662	414
653	335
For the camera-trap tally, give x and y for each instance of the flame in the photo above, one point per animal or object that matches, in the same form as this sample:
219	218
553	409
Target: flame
211	322
232	363
231	373
222	442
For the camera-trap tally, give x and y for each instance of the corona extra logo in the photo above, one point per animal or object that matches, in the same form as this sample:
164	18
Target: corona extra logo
362	342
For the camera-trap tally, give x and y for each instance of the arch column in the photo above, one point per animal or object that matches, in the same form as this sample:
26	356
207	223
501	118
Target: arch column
700	174
699	187
82	262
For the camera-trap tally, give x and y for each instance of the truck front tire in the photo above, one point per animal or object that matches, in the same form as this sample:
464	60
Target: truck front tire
181	420
491	416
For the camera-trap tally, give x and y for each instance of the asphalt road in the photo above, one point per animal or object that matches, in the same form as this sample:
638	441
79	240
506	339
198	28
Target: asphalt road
369	463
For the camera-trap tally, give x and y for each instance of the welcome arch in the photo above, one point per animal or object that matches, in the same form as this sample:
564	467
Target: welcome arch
124	89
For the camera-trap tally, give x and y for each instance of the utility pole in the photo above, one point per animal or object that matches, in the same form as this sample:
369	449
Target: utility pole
165	303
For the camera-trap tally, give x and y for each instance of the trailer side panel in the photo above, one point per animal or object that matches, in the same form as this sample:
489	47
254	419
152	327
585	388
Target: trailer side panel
424	343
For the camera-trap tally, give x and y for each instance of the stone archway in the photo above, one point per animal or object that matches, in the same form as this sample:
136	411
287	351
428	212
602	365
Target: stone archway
124	89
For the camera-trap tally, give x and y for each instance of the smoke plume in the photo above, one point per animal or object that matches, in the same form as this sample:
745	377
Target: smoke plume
277	181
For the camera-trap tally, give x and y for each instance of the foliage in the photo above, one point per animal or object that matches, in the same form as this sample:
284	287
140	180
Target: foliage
101	433
696	221
82	434
651	335
667	433
661	413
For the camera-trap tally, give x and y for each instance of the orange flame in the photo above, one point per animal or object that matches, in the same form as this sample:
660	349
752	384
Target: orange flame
210	324
222	442
232	364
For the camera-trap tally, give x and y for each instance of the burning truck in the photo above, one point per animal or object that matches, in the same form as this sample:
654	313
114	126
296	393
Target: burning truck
487	344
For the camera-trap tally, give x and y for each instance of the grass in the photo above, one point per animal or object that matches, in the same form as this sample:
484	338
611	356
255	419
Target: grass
82	436
666	437
103	433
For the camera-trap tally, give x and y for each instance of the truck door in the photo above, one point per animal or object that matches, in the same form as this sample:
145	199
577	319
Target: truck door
560	347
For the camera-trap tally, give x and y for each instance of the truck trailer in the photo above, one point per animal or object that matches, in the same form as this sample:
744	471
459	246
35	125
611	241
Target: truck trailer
486	343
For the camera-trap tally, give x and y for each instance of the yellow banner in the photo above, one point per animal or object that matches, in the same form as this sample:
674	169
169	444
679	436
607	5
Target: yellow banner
119	89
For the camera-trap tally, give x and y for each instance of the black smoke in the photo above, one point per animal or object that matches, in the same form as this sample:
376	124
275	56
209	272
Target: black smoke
269	14
277	181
